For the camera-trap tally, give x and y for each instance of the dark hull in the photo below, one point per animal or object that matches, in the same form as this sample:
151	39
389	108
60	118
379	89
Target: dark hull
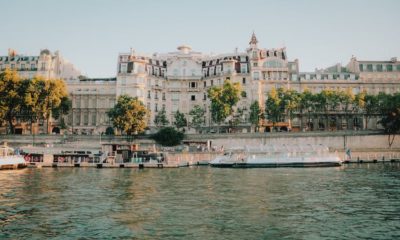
222	165
275	165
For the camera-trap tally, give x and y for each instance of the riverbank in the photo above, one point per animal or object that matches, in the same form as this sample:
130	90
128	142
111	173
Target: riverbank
365	146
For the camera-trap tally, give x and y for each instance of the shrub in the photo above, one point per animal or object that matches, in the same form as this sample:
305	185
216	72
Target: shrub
168	136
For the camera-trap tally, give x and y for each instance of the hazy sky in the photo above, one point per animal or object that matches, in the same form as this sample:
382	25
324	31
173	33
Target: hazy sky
91	33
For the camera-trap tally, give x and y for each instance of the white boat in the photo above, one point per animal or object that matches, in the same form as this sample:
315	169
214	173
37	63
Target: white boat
278	156
10	160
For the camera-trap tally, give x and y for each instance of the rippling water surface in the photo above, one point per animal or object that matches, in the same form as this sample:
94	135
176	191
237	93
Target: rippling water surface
350	202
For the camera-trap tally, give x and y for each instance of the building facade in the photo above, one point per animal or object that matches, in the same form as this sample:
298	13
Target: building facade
91	99
46	64
180	80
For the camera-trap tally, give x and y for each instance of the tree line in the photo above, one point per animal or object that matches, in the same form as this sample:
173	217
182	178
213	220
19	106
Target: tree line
31	100
284	104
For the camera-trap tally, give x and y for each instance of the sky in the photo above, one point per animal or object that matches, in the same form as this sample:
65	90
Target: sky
91	33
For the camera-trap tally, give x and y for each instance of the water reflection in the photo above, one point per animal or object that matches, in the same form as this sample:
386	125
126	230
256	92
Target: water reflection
355	201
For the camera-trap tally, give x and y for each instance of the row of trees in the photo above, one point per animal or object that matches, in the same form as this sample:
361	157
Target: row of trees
284	104
31	100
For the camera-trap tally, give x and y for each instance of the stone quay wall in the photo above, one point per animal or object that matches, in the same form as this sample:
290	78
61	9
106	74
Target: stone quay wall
360	140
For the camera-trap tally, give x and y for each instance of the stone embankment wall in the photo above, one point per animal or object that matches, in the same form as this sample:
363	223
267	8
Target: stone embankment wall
361	140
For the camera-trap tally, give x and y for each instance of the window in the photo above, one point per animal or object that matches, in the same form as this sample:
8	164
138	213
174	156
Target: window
244	94
192	84
361	67
193	97
77	118
369	67
43	67
12	66
156	96
254	54
379	67
243	68
389	68
244	81
205	84
255	64
256	76
85	119
94	119
148	94
398	67
212	83
156	107
163	96
22	66
205	96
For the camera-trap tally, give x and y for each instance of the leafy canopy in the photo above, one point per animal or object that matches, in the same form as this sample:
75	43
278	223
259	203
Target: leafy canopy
223	99
129	115
168	136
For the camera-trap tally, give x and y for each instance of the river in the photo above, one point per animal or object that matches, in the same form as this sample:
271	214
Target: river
348	202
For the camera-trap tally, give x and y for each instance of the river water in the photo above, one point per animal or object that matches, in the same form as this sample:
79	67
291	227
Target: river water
349	202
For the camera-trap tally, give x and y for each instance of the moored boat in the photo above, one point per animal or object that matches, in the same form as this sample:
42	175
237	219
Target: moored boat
278	156
10	159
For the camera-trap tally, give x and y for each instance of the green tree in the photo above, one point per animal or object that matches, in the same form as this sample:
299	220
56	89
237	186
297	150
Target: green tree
197	114
306	104
129	115
180	120
62	110
370	107
168	136
348	104
274	109
54	91
255	114
391	118
327	101
161	118
223	99
237	117
290	100
11	99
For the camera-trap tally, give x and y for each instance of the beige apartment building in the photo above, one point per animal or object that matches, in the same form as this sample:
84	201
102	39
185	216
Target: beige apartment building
179	80
46	64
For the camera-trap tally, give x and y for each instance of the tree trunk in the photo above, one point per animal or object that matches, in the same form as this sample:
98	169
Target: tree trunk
47	125
10	124
31	125
391	140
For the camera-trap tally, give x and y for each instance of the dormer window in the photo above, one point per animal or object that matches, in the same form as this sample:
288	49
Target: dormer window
254	54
